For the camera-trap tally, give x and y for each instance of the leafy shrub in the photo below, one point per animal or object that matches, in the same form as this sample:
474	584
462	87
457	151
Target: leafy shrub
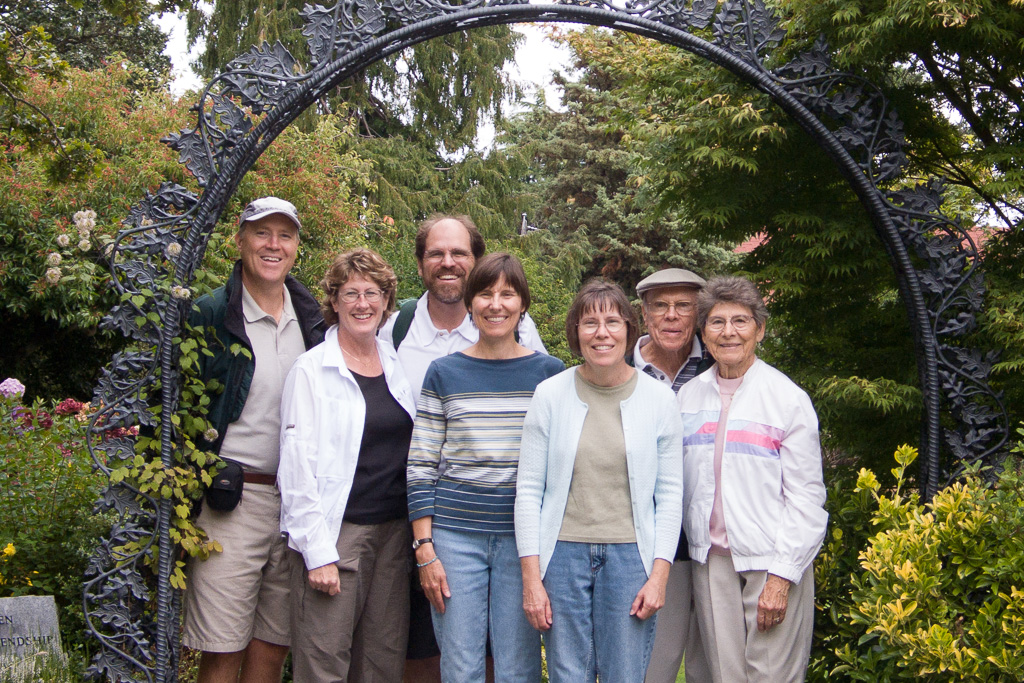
937	592
47	527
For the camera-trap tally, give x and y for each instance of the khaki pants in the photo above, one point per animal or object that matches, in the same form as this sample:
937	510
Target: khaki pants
678	633
358	635
240	593
727	612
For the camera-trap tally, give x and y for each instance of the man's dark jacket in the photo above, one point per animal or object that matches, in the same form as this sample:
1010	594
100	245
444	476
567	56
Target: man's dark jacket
221	310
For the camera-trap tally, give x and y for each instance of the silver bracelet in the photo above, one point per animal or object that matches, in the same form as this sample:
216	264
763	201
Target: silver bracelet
421	566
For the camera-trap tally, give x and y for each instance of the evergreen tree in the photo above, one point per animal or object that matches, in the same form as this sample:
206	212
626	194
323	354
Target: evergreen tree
582	180
435	94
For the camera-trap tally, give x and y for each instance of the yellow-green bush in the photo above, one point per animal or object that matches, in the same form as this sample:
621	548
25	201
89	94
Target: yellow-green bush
938	588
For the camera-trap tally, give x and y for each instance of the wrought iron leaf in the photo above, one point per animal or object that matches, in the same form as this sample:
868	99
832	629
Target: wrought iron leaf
332	32
681	14
960	324
923	198
748	29
122	319
261	76
156	208
142	273
109	665
121	499
810	64
192	153
407	12
230	123
116	450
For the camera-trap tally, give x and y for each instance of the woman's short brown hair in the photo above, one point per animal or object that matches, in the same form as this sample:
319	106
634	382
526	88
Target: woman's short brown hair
492	268
363	262
599	295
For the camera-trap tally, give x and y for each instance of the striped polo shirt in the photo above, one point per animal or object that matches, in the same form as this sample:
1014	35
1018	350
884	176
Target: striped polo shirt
470	416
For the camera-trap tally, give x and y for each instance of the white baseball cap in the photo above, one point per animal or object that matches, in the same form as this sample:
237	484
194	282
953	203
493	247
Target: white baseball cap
265	206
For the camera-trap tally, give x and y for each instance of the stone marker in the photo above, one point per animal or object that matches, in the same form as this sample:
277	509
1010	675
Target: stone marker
28	627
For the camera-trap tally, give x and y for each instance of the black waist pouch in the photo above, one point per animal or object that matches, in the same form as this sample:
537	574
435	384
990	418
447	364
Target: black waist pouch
225	492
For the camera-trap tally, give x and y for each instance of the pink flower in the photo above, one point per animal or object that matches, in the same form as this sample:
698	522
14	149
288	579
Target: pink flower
68	406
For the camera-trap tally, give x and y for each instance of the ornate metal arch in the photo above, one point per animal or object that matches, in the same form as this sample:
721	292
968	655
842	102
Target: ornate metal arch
164	238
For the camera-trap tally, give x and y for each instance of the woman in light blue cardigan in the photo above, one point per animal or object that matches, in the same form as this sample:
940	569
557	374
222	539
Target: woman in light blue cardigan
599	499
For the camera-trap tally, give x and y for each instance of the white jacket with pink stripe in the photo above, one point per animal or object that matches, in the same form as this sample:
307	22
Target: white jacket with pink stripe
773	494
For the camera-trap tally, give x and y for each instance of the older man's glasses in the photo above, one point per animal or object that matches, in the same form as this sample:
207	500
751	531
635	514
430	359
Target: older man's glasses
613	325
660	308
740	323
351	296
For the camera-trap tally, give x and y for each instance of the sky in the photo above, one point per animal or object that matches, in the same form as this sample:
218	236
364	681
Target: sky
536	59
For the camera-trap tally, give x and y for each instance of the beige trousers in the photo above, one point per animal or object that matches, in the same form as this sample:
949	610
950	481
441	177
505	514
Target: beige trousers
358	635
240	593
678	633
727	613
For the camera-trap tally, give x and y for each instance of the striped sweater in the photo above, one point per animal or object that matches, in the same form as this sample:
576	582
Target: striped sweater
470	416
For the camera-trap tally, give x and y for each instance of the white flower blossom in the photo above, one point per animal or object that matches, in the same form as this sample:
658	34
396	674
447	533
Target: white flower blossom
53	260
210	434
85	221
63	240
179	292
173	250
146	221
85	244
53	275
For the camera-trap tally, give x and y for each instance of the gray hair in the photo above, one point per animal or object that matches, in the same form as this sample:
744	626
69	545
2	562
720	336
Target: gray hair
731	289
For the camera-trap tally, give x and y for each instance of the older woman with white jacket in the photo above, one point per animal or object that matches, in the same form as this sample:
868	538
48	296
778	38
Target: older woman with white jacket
346	421
754	499
599	499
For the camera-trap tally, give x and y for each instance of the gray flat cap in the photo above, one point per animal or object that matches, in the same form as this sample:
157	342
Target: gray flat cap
670	277
266	206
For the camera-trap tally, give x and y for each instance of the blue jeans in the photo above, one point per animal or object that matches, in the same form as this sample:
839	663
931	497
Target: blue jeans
592	587
486	583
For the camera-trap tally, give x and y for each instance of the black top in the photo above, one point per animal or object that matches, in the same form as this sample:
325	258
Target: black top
378	489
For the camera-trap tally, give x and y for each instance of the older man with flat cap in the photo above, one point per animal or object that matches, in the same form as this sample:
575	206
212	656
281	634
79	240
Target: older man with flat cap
671	353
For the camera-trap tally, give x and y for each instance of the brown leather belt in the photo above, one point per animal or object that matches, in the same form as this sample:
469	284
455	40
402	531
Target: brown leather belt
259	478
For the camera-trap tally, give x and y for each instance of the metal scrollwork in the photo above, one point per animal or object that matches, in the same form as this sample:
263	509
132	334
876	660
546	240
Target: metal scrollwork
260	92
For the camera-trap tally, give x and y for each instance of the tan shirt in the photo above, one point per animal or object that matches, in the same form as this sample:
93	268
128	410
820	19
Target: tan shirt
599	508
253	439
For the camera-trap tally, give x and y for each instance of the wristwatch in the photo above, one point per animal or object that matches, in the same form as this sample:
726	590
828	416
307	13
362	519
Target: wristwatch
421	541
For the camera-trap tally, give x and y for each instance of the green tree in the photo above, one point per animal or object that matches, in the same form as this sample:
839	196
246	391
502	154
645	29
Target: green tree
85	35
26	52
716	153
955	70
53	274
435	94
580	179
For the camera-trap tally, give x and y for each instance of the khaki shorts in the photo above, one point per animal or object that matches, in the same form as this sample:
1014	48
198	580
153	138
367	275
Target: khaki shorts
240	593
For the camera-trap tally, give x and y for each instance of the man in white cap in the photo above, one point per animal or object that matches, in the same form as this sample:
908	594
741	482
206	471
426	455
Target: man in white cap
236	602
671	353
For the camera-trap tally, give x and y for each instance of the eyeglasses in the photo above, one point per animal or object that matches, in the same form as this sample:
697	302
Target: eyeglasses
351	296
740	323
613	325
437	255
682	308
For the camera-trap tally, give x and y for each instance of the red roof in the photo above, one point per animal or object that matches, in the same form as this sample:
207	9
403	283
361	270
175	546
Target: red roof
979	234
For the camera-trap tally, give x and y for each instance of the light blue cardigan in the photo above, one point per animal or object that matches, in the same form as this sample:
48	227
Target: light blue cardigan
653	433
